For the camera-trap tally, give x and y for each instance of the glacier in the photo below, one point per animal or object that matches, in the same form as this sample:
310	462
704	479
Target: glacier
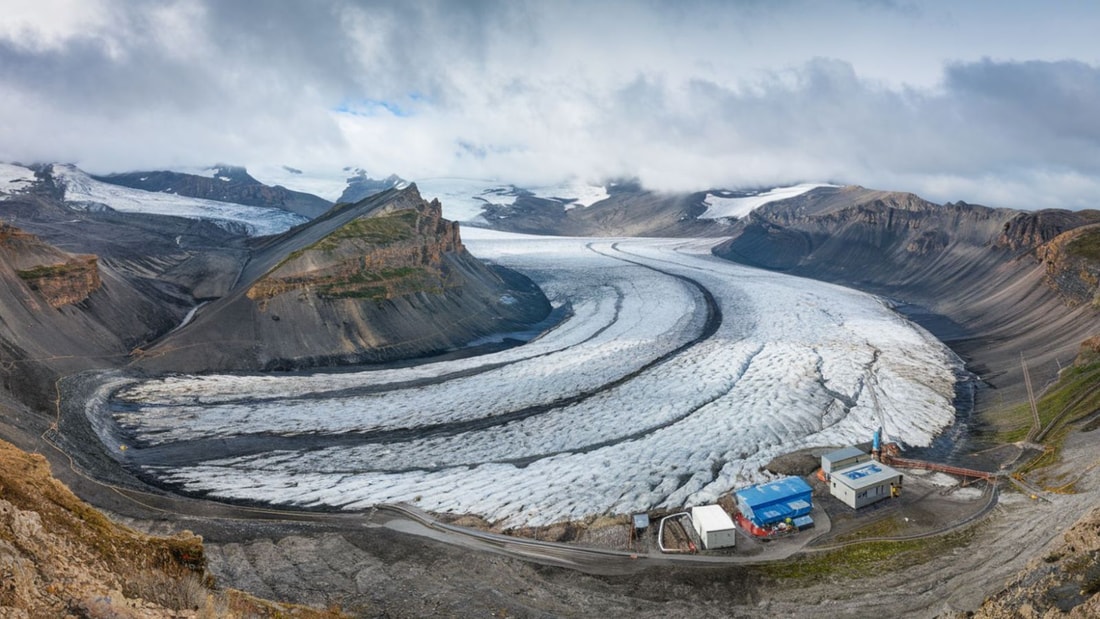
675	378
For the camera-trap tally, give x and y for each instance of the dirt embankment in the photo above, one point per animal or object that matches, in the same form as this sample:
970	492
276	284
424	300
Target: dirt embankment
60	557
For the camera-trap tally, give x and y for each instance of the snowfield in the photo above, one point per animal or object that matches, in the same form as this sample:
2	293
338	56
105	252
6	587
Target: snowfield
14	178
84	192
464	199
677	376
719	207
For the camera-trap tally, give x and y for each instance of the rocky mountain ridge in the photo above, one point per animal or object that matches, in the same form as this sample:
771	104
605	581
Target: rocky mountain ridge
999	272
226	184
629	210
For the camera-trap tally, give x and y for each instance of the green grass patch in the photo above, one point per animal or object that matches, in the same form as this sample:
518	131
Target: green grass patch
378	285
1072	397
55	270
868	559
1086	245
383	230
884	527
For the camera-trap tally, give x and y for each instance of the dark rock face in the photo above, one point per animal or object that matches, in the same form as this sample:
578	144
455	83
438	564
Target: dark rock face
383	279
229	184
1006	278
360	187
629	210
1026	231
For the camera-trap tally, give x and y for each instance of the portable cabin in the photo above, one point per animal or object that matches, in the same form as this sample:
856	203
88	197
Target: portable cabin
842	459
775	501
714	526
864	484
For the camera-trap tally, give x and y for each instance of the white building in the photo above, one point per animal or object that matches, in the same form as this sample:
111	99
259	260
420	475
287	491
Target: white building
714	526
842	459
864	483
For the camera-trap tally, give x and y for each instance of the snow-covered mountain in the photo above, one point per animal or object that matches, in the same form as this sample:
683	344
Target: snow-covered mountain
222	183
15	179
81	191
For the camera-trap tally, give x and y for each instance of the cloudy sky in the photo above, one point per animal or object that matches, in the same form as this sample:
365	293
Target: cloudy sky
990	102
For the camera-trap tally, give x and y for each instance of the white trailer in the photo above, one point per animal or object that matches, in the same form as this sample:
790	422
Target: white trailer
714	526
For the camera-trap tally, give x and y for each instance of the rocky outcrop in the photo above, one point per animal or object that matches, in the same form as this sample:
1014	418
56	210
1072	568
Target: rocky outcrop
67	283
361	186
1063	582
379	256
66	313
1072	261
1027	231
60	279
226	184
386	278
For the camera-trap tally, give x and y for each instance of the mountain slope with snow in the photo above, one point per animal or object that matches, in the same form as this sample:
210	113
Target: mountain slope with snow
81	191
222	183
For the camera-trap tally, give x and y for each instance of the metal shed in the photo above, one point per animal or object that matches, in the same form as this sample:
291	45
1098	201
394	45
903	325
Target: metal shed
714	526
864	484
842	459
776	501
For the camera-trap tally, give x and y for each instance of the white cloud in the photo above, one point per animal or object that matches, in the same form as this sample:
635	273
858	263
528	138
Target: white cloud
684	95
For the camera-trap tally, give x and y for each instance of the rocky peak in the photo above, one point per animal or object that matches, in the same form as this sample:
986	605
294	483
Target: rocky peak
362	186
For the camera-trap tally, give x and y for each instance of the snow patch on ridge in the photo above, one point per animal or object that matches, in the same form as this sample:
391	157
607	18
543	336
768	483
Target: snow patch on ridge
719	207
14	179
84	192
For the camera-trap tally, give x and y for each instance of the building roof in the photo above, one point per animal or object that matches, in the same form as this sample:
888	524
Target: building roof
778	491
865	475
843	454
712	517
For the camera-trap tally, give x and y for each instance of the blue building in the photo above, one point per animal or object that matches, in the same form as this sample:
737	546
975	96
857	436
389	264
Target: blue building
776	501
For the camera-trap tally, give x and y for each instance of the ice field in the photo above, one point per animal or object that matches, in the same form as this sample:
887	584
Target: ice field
676	377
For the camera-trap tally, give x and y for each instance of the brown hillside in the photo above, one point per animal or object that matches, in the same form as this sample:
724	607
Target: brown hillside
59	557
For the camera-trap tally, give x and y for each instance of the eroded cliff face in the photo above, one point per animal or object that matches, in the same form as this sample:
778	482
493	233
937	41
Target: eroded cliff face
1028	231
59	278
1072	262
378	257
